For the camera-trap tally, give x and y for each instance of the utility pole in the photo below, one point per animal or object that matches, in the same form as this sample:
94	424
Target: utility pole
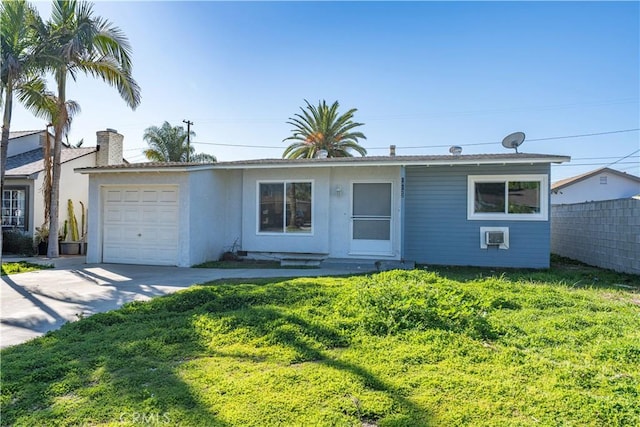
189	123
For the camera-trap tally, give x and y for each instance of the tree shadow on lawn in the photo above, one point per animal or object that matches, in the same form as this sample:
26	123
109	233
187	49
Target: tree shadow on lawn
122	366
264	314
114	367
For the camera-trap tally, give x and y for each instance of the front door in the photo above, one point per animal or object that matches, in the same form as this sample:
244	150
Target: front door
371	220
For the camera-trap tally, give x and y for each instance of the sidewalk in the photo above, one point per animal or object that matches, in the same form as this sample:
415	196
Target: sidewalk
34	303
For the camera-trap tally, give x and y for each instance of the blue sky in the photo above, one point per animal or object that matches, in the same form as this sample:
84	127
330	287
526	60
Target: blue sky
423	76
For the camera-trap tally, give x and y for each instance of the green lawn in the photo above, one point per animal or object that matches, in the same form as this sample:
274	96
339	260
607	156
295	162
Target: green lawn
419	348
21	267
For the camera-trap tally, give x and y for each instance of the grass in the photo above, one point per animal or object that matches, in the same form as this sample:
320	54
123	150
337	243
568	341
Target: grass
403	348
22	267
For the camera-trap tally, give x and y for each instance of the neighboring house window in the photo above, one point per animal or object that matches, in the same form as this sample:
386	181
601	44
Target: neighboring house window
14	208
511	197
603	179
285	207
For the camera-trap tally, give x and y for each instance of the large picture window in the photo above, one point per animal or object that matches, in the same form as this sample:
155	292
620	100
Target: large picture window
513	197
285	207
14	208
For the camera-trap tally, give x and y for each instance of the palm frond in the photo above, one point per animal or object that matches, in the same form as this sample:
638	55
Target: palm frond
322	128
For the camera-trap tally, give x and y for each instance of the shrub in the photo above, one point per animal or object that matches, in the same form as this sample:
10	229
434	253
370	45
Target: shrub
16	242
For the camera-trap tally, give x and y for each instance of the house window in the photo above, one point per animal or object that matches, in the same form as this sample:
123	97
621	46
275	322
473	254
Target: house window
285	207
14	208
512	197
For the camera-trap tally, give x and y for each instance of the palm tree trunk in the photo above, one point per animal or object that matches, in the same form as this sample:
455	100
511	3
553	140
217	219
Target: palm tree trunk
46	190
4	148
59	123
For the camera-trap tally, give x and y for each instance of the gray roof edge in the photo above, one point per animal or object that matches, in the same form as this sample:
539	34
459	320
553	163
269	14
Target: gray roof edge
470	159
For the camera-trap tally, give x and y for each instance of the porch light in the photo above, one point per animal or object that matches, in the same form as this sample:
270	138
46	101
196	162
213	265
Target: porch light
338	190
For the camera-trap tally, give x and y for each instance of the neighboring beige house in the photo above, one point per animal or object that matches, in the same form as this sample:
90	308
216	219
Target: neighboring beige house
599	184
22	196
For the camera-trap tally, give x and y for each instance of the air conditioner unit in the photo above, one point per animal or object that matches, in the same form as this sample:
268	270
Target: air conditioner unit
494	238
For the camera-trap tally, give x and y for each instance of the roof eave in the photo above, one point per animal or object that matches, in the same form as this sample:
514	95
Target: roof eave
324	164
558	159
157	169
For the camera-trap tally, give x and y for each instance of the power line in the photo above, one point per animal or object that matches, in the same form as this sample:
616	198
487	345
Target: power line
238	145
618	161
433	146
533	139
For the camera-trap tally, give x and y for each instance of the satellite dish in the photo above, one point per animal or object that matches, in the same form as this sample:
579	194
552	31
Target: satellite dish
513	140
455	150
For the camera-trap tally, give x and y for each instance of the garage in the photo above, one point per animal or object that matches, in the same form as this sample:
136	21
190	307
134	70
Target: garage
140	225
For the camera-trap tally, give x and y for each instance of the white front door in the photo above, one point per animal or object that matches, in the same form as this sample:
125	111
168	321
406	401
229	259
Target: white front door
371	220
140	225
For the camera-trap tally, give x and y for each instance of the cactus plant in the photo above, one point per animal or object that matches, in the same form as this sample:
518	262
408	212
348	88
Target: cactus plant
62	234
83	229
73	222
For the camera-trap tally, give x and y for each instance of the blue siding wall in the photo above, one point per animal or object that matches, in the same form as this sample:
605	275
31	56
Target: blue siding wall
437	231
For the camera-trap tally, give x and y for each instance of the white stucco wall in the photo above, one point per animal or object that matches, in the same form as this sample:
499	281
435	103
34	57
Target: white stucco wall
73	186
214	213
231	208
315	242
331	211
219	206
590	189
204	221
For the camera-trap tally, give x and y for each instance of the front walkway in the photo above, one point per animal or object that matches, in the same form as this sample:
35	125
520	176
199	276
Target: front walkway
36	302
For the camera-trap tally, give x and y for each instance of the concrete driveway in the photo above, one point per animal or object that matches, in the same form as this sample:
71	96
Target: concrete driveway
33	303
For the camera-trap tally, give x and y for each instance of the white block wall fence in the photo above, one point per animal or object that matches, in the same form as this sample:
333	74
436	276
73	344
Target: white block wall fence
604	234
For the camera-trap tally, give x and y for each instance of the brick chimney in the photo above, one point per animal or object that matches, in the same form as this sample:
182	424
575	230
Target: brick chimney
109	146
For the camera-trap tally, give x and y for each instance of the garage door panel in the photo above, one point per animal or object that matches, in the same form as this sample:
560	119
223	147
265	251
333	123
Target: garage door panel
113	233
131	215
149	214
167	216
168	196
113	196
131	196
150	196
141	225
165	236
113	215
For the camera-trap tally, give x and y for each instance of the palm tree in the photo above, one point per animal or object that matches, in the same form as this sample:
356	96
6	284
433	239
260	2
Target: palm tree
18	72
75	41
169	144
320	128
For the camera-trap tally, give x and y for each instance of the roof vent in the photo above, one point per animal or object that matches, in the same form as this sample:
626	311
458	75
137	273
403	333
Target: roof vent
455	150
322	154
392	150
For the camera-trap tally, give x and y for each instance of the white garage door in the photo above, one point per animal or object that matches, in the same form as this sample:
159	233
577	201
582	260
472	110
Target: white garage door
140	225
